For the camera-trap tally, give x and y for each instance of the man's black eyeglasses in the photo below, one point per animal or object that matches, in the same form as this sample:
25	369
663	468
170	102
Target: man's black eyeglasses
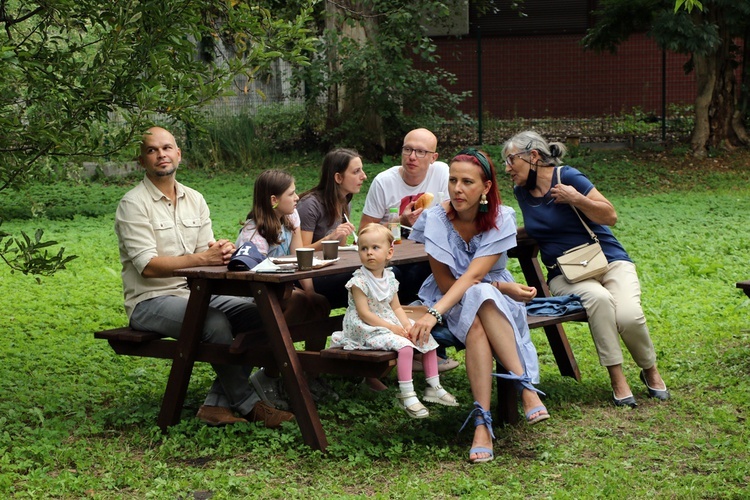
420	153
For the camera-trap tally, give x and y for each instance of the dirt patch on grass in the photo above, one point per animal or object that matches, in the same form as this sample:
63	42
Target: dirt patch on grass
677	161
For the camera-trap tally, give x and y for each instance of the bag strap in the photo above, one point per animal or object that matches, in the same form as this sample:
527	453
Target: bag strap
588	229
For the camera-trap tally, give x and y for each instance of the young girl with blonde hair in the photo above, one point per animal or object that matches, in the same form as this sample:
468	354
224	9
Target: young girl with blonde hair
375	320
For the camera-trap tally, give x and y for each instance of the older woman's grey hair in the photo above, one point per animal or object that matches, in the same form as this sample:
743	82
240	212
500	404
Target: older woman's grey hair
551	153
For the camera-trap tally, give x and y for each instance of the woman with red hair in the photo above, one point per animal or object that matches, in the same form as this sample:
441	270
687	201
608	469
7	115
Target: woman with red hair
471	292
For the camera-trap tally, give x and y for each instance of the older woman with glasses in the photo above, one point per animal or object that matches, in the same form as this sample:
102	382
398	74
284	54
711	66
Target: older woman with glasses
552	198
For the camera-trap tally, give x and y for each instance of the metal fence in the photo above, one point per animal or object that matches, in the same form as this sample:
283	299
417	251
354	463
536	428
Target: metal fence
270	87
274	88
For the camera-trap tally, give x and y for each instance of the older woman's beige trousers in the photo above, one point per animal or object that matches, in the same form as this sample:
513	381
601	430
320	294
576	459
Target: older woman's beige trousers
613	305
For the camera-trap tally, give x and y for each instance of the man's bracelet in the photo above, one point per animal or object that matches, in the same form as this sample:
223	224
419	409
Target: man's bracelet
436	314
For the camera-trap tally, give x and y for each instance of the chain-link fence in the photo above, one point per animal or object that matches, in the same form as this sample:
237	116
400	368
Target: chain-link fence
551	84
269	87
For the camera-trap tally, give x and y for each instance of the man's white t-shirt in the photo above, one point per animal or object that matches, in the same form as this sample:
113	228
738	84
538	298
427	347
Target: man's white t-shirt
388	189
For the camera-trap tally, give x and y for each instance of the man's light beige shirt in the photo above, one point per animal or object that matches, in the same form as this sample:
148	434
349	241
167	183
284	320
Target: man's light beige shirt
148	225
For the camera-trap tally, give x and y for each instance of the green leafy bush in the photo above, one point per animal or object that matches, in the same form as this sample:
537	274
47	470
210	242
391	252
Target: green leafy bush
285	127
250	140
57	199
375	77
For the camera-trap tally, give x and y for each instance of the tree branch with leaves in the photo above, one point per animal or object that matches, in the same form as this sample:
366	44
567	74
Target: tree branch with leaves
71	65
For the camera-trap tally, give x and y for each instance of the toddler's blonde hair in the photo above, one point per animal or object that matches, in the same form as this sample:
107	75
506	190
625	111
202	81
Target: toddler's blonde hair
379	229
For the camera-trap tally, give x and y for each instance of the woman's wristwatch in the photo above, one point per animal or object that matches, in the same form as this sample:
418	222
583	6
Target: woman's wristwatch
434	312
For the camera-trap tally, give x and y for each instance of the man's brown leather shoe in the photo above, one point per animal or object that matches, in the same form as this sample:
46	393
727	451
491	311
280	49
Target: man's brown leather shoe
270	416
217	416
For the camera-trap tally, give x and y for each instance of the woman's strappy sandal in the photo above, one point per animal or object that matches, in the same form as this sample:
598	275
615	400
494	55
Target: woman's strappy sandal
481	417
417	410
524	382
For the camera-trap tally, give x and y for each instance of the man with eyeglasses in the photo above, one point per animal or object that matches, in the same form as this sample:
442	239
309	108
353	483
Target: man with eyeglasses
400	186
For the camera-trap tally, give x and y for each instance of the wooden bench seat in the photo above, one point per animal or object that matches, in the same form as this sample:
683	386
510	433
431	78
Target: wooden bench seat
247	348
361	356
338	361
542	321
507	402
251	348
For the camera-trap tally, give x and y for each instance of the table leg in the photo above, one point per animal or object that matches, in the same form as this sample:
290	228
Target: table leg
558	341
184	359
295	382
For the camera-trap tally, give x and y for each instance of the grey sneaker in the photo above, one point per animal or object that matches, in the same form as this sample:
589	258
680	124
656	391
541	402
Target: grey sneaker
321	390
270	390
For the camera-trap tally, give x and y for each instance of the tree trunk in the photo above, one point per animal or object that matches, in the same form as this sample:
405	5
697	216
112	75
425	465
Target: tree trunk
717	124
722	108
742	105
332	99
705	76
343	100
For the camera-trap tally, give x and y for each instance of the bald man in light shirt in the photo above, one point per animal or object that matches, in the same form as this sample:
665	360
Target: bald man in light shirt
161	226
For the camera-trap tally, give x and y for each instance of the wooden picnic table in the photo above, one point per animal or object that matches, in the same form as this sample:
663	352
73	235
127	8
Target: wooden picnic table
273	343
267	289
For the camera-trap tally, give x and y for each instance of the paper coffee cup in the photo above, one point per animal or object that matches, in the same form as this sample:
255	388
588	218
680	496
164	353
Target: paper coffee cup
330	249
305	258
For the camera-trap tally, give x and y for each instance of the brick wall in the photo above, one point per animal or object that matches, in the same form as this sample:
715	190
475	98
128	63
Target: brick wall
552	76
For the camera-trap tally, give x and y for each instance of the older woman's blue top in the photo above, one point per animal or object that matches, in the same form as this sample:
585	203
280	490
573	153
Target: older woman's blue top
556	227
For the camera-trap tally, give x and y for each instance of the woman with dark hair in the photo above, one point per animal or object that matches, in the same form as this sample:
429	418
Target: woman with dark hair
324	210
471	292
324	215
556	200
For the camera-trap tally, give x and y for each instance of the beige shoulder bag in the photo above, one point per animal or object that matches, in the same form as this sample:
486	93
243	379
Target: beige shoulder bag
584	261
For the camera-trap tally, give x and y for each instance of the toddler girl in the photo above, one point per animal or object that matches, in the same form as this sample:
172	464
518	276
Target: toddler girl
375	320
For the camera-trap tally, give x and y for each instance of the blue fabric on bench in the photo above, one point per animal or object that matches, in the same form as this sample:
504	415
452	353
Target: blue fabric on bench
554	306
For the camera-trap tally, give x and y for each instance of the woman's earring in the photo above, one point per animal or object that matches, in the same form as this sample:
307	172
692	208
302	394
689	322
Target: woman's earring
483	204
275	206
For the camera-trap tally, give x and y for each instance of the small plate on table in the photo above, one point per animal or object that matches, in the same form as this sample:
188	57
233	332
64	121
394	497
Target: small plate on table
291	262
318	263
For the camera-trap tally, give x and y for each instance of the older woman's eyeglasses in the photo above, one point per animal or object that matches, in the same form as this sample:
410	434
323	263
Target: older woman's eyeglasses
511	158
419	153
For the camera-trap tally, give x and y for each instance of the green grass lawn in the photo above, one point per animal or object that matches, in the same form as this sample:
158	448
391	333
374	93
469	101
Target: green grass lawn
77	421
